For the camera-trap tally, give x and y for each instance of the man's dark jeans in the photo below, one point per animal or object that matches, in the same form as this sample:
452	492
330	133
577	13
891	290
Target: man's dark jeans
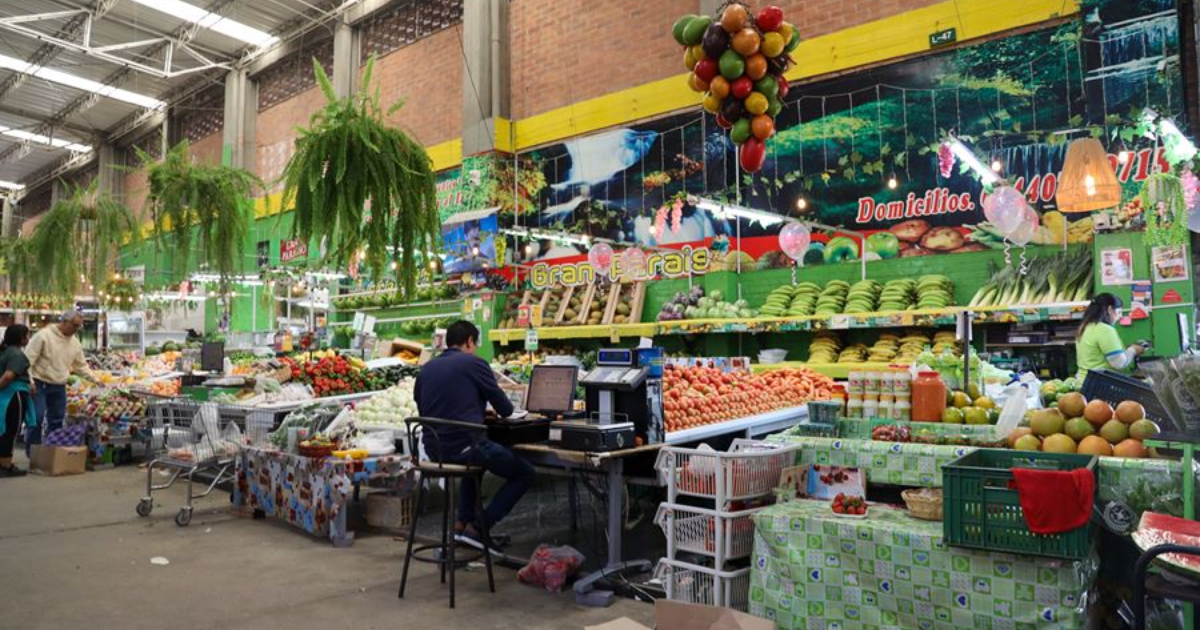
500	461
50	407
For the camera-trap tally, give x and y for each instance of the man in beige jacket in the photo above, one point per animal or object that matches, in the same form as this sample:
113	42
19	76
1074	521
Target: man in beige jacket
54	354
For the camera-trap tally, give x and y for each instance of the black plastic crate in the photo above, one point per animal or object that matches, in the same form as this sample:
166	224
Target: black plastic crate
1113	387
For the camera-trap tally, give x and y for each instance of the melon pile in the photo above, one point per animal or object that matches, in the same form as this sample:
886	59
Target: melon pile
1087	427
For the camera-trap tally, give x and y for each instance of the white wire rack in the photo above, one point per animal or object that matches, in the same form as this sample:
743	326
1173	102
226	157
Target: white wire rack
694	584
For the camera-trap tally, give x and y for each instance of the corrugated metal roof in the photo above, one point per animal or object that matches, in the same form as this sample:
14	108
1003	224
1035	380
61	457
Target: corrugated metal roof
36	100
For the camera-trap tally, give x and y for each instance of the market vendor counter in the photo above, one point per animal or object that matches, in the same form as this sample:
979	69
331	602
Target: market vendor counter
310	493
814	569
917	464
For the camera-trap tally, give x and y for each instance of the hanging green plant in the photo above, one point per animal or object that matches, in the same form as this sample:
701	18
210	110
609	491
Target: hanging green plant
1165	210
120	294
364	185
199	206
15	263
79	239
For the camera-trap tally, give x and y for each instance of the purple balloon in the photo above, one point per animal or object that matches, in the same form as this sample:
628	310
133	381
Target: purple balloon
794	240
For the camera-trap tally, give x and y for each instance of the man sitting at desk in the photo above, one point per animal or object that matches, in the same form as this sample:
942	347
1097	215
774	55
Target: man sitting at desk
457	385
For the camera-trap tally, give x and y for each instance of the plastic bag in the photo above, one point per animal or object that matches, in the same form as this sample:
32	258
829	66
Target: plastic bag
1014	409
551	567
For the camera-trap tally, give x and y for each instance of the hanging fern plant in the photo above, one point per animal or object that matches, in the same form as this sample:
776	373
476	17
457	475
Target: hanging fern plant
79	239
14	254
201	207
364	185
1166	211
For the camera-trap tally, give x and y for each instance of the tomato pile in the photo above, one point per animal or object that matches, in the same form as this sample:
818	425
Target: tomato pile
853	506
335	376
697	396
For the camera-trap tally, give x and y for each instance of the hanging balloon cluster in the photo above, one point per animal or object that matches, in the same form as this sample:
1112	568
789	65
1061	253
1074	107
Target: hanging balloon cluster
738	62
1007	209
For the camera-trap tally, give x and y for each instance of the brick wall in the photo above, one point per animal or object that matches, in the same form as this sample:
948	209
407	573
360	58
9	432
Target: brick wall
276	131
572	50
428	76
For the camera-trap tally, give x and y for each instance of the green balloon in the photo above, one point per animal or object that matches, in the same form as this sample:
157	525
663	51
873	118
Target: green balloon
731	65
773	106
795	41
767	87
740	131
693	32
680	27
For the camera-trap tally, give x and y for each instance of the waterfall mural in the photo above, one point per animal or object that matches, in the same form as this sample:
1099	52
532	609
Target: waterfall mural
842	143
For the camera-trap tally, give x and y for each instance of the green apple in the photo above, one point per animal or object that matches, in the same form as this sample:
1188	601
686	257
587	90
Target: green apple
841	249
885	244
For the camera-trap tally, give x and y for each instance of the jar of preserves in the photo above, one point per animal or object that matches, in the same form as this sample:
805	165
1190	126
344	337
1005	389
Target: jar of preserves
928	397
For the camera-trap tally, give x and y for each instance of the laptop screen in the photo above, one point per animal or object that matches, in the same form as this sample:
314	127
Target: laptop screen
552	389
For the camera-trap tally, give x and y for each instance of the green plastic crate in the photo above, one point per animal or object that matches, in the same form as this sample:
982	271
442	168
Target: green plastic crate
981	511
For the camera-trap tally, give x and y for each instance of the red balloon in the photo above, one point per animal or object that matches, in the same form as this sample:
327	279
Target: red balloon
741	87
783	86
706	69
769	18
752	154
722	123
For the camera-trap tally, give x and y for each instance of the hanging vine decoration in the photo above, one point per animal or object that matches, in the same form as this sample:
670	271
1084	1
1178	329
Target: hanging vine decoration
17	263
348	158
121	294
1166	211
79	239
202	205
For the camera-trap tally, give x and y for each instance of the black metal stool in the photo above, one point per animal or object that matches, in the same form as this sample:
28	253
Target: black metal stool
1145	586
446	557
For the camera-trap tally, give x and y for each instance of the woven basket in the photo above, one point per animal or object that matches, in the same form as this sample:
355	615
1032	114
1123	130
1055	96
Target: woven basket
924	503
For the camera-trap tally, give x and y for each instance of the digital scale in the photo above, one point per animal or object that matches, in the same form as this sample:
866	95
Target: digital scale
615	393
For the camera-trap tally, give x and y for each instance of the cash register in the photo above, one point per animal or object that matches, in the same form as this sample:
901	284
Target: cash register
549	396
617	403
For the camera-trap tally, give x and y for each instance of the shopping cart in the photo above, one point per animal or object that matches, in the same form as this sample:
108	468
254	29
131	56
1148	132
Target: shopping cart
191	439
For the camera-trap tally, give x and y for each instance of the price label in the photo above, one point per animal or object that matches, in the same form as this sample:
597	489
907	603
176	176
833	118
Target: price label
531	339
839	322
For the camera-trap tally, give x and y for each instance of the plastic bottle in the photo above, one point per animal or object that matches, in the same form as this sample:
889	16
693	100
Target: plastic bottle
928	397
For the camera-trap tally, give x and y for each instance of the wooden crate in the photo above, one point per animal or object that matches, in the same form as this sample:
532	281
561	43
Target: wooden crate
588	293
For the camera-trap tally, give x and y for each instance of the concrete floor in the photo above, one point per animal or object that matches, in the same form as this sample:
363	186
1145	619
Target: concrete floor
74	555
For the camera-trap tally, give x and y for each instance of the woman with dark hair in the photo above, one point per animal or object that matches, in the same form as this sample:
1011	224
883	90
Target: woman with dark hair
1098	344
15	399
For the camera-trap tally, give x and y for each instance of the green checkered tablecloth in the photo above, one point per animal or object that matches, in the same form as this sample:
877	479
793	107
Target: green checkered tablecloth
817	571
908	464
861	429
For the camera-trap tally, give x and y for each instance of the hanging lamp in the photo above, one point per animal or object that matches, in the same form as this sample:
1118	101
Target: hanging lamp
1088	181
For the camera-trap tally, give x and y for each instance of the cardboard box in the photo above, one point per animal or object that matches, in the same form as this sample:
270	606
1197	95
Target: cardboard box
59	460
681	616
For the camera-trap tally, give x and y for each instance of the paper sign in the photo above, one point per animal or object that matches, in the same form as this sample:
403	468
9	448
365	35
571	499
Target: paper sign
1125	321
368	326
523	313
1140	293
535	315
531	340
1171	297
292	249
359	319
1169	263
1116	266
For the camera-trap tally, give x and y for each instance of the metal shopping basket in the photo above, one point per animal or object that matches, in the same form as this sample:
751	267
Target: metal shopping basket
189	438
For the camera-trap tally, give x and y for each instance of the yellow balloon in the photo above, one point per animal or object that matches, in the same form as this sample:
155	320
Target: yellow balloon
772	44
756	103
712	104
698	52
785	31
689	61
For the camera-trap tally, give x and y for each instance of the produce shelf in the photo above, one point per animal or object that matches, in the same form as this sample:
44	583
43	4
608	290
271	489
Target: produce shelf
751	426
832	370
900	319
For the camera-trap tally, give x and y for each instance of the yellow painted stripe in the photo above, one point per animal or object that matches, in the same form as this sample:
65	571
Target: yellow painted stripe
446	154
873	42
503	135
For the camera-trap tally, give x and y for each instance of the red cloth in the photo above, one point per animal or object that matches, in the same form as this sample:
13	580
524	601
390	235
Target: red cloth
1055	501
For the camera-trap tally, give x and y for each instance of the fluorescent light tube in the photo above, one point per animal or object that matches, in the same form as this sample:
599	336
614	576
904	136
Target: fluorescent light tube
12	185
212	21
963	153
79	83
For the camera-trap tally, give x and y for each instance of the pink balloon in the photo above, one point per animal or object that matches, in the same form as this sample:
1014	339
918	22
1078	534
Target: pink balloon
1005	208
794	240
633	264
1026	228
600	257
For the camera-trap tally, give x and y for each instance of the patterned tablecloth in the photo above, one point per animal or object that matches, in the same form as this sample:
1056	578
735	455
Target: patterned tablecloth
908	464
306	492
816	571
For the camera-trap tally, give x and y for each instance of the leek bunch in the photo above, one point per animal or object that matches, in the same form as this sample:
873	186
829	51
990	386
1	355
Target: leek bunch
1064	277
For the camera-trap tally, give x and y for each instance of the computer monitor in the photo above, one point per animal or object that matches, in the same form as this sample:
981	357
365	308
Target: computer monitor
552	389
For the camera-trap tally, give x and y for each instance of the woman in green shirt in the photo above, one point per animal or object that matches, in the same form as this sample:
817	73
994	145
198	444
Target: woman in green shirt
15	400
1098	345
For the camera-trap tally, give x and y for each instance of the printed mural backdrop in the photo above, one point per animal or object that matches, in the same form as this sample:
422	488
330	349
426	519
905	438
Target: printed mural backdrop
1017	100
